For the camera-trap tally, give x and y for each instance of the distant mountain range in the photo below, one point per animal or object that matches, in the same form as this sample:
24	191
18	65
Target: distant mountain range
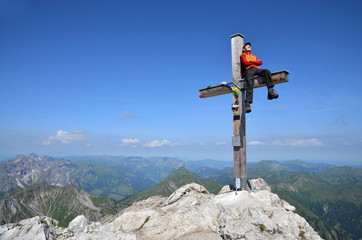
107	176
329	197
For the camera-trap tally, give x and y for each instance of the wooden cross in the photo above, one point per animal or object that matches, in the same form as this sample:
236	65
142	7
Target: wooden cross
237	86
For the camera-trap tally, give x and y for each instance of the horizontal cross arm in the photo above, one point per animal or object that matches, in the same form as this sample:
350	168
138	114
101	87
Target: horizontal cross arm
277	77
217	90
224	88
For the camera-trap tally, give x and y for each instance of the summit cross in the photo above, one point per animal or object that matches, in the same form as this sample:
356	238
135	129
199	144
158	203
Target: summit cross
237	87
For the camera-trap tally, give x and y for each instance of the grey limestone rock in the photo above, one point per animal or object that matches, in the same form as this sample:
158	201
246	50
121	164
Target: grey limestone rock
191	213
36	228
259	184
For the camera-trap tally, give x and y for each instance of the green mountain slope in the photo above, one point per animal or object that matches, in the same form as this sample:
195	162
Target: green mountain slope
341	175
338	205
109	182
298	165
171	183
60	203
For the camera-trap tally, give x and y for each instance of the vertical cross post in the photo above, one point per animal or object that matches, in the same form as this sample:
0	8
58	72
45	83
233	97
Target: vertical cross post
239	123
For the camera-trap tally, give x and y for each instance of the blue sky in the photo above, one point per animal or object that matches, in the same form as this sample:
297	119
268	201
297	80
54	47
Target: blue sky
122	78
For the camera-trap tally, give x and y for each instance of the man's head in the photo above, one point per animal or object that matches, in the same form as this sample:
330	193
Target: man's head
247	47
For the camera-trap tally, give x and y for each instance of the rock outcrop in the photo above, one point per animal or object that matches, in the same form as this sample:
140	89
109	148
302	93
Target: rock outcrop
36	228
191	213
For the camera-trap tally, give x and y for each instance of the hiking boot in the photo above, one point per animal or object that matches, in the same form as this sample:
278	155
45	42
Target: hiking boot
272	94
247	107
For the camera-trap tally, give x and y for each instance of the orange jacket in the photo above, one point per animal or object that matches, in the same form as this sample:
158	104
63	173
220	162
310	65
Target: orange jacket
250	60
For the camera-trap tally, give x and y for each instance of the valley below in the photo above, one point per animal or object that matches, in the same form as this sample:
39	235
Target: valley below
100	187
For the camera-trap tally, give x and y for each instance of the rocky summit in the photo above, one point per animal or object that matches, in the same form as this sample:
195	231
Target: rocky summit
190	213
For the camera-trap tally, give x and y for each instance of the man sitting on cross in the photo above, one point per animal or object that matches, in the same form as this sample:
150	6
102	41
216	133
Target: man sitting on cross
251	64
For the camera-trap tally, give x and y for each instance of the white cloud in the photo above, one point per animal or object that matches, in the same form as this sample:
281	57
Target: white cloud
130	142
299	142
158	143
290	141
257	143
65	137
134	142
220	143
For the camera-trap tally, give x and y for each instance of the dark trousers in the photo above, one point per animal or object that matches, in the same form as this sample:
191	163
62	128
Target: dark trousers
249	77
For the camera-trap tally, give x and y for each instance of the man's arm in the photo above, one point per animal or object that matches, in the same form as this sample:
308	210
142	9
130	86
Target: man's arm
248	63
257	61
